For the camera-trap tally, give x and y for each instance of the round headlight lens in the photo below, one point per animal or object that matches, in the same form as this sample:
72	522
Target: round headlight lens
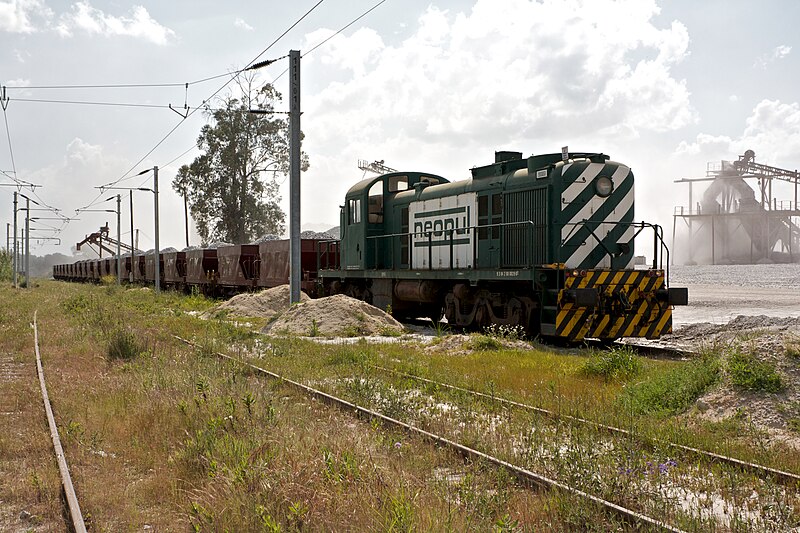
603	186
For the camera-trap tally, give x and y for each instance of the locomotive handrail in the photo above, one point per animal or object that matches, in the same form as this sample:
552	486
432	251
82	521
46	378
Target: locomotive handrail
658	239
326	253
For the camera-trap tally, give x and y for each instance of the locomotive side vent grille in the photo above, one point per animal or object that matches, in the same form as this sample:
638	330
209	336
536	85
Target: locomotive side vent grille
525	245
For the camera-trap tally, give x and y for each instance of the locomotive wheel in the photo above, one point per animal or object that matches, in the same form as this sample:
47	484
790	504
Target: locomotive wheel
435	313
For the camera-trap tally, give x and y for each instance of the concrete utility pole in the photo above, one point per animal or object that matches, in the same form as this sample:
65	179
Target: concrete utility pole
186	215
8	237
158	255
294	176
133	249
119	240
27	243
16	265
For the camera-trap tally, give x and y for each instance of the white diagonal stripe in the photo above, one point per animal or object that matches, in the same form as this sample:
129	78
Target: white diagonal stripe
586	177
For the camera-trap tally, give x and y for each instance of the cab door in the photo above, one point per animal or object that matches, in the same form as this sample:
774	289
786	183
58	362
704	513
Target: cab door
490	215
354	234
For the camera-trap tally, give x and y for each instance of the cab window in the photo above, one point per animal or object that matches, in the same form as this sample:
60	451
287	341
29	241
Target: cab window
398	183
354	211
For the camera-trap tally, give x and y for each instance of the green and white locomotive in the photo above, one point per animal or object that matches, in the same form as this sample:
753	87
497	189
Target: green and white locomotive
544	242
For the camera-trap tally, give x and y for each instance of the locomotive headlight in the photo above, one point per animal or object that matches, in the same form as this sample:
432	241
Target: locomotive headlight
603	186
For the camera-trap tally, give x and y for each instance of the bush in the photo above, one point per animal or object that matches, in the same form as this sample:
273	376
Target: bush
792	350
621	362
748	373
124	344
674	391
6	266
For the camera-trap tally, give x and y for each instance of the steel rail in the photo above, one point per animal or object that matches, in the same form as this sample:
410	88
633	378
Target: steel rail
78	526
523	475
786	477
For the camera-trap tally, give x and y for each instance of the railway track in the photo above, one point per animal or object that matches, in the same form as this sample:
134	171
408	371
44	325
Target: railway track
785	477
73	507
525	476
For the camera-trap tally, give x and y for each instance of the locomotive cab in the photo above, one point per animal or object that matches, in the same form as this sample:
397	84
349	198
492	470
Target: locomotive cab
369	211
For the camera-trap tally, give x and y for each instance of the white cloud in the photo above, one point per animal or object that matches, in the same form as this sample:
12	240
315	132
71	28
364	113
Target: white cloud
534	76
240	23
538	67
733	98
18	16
778	53
705	143
772	130
139	23
19	82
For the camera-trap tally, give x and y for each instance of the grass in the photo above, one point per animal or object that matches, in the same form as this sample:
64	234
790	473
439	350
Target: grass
674	391
182	440
483	343
749	373
124	344
208	445
616	363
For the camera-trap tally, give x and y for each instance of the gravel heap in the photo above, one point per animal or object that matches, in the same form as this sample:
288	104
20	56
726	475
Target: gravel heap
267	237
218	244
322	235
335	316
168	250
264	304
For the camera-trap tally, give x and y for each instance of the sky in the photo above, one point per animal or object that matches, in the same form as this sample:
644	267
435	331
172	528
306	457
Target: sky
664	86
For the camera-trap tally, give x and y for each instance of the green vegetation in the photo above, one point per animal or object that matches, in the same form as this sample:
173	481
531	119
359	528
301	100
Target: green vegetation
748	373
228	196
124	344
674	391
483	343
6	265
210	445
792	350
617	363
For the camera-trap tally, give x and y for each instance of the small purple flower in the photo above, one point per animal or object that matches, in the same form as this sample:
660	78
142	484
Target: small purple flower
397	445
672	462
662	468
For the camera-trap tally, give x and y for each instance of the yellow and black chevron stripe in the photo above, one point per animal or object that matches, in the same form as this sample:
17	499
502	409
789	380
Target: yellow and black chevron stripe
627	306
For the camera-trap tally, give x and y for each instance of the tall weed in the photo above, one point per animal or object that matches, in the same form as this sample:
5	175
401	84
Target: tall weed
619	362
748	373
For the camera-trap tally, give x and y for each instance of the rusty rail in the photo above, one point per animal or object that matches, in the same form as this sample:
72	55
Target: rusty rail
786	477
66	481
523	475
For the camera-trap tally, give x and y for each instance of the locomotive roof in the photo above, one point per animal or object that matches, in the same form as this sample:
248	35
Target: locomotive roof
413	178
498	168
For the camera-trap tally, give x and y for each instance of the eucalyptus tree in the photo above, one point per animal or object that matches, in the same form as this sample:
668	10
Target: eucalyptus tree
232	186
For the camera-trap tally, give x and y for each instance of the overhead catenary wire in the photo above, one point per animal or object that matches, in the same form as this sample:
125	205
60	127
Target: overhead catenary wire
121	85
193	111
362	15
10	147
88	102
233	76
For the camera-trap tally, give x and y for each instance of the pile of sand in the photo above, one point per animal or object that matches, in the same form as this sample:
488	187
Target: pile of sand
335	316
264	304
